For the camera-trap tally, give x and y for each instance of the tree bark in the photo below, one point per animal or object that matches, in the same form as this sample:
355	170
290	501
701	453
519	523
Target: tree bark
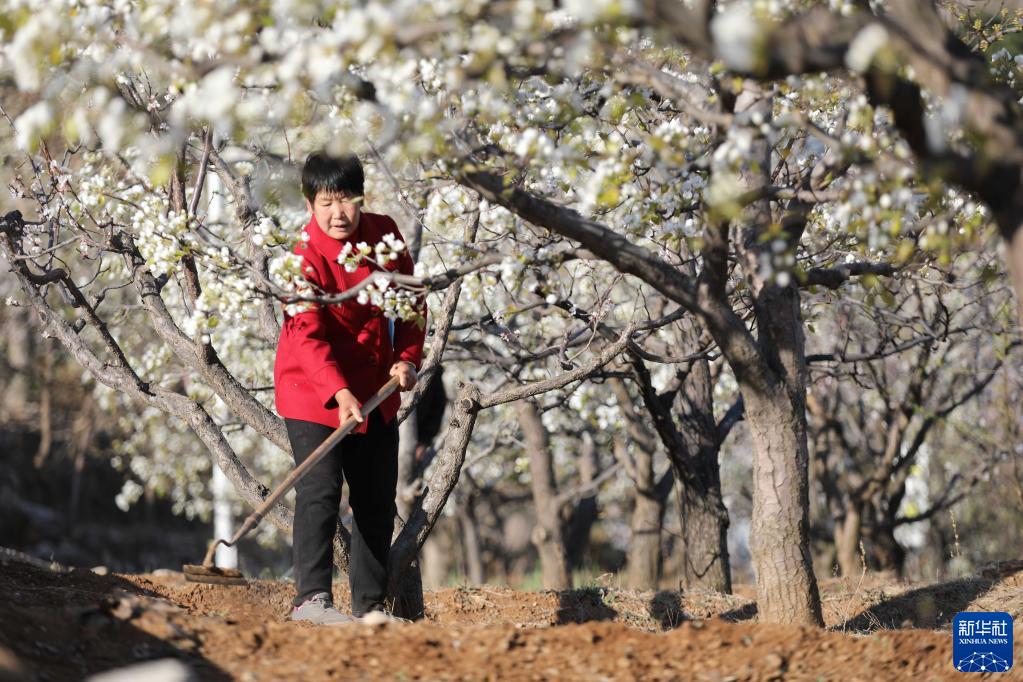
584	514
408	602
703	514
548	533
643	560
779	534
780	531
471	546
776	404
406	464
847	543
704	541
692	450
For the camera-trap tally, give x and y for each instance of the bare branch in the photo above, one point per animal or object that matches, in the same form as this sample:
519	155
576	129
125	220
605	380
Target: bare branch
605	243
201	174
882	351
733	416
571	496
835	277
608	353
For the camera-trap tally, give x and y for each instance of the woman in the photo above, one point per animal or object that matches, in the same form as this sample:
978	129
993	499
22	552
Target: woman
330	359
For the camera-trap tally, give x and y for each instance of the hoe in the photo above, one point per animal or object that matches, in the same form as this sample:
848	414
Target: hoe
208	572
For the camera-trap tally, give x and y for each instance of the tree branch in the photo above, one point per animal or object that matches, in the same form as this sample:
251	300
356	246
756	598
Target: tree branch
209	366
608	353
735	341
835	277
247	215
120	377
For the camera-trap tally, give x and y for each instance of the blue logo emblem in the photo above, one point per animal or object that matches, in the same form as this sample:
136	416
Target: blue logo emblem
982	642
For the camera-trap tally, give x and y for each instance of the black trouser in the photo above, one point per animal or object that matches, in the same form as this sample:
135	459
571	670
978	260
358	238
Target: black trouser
369	463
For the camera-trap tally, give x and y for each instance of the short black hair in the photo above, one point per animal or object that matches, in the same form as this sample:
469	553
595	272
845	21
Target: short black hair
333	174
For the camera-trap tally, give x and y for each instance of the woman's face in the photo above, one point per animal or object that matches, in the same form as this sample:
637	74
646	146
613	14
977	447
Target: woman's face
336	214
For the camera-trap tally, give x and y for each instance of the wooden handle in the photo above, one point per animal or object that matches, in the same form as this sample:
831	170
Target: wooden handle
302	469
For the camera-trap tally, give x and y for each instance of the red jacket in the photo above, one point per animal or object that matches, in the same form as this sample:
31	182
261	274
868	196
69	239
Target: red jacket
348	345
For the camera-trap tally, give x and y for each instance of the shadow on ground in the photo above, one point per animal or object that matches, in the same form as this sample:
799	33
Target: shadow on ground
69	624
666	609
744	612
585	605
930	607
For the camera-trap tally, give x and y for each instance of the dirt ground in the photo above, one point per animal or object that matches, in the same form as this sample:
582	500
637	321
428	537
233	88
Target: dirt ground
66	624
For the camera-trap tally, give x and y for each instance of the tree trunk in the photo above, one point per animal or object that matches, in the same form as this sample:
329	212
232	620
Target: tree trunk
704	518
408	600
643	561
780	532
779	535
692	449
406	593
775	398
584	515
704	541
847	542
548	534
406	464
471	546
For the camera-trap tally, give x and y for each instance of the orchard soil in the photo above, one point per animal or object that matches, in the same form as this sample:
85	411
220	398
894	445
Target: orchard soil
66	624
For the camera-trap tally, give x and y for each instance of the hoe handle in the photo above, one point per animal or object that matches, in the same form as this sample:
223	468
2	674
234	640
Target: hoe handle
302	469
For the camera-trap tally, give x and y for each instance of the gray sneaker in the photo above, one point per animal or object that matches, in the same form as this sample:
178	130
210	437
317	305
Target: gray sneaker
319	610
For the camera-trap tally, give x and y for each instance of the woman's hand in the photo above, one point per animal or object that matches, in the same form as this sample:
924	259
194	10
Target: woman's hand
406	373
348	406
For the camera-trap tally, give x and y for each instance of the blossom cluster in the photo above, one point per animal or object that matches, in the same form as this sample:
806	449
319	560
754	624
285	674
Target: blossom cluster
351	256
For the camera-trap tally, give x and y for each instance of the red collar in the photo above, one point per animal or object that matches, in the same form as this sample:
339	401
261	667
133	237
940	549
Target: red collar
327	245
